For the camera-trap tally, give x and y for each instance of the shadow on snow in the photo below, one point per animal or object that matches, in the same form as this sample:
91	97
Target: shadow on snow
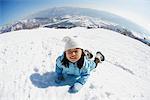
48	79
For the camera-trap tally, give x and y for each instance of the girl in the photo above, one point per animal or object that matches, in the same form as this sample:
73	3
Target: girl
75	62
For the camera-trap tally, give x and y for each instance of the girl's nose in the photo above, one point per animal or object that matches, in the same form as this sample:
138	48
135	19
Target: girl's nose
73	53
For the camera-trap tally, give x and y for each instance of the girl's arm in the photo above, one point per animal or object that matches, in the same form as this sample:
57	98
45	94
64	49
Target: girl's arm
89	65
59	70
80	82
83	77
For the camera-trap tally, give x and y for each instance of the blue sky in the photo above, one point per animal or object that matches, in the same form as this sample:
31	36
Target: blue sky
135	10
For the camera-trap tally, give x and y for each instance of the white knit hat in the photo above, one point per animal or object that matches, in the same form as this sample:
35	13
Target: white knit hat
72	42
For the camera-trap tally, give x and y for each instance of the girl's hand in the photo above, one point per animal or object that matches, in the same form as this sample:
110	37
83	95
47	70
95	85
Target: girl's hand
75	88
59	79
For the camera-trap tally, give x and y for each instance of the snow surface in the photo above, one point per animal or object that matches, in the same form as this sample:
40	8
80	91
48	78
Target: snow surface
27	63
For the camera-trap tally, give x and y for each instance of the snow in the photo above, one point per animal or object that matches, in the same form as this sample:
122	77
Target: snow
27	63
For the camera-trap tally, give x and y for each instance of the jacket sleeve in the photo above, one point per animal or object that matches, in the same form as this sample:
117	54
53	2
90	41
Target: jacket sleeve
84	76
89	65
58	68
80	82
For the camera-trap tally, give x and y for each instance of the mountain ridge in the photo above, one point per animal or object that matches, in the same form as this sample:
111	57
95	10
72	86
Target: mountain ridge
69	17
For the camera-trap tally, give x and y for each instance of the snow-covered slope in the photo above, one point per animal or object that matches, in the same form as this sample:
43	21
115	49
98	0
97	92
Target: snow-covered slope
27	63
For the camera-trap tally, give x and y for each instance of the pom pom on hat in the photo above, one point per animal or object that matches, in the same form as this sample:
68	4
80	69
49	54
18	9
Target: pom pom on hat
66	39
71	43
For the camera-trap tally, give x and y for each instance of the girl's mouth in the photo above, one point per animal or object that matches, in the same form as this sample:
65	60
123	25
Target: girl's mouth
72	57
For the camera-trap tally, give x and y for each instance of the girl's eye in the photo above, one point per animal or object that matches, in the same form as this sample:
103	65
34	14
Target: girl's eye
75	51
70	52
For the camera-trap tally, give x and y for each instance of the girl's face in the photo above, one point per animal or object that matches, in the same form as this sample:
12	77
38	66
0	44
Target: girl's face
73	55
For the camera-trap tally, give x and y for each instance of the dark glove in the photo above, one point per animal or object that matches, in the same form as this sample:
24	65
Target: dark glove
75	88
59	79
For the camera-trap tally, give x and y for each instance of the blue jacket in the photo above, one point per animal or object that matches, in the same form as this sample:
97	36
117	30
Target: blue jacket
82	73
